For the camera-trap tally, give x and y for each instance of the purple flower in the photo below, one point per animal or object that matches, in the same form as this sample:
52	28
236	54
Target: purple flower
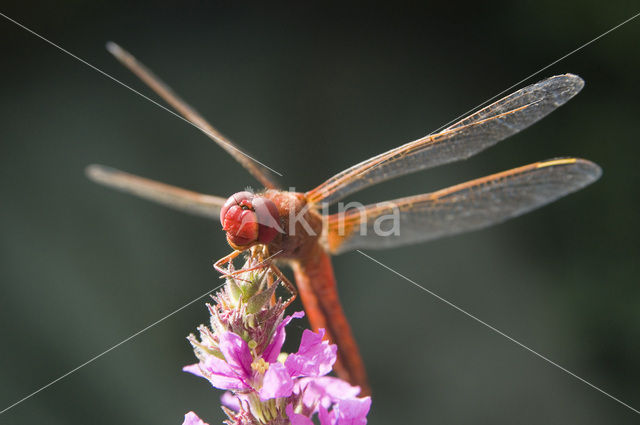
270	354
235	371
324	391
297	418
314	358
351	411
239	370
231	401
232	373
273	391
193	419
277	382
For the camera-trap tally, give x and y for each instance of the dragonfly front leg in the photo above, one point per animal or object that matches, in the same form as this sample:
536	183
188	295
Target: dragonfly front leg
225	260
286	283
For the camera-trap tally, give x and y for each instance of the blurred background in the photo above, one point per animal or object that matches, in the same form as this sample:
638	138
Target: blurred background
311	89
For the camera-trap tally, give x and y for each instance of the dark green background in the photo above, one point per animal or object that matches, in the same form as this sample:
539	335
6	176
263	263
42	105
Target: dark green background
311	89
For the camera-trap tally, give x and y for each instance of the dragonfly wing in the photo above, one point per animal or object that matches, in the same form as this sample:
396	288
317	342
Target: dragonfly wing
257	169
171	196
468	206
459	141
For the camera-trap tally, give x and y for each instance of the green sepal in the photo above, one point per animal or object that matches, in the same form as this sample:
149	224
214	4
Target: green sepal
234	291
259	300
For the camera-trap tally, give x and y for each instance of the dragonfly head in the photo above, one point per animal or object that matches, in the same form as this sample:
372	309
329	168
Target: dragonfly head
249	219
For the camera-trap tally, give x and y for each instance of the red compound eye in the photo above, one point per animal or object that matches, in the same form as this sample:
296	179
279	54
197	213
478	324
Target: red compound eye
234	199
248	219
268	219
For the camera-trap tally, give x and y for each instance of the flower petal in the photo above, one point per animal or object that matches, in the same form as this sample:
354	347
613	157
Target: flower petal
193	368
352	411
324	391
221	375
193	419
325	417
276	383
230	400
237	354
296	418
270	354
315	356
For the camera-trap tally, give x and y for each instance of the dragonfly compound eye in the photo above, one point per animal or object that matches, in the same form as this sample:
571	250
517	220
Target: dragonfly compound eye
235	199
268	219
248	219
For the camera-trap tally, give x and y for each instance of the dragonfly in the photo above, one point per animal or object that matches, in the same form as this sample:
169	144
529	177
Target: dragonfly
298	227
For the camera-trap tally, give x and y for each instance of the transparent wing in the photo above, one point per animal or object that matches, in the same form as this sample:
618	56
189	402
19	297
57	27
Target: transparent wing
459	141
256	168
468	206
171	196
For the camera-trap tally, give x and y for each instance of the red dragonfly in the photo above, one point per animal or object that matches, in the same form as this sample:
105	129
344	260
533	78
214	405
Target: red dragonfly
292	224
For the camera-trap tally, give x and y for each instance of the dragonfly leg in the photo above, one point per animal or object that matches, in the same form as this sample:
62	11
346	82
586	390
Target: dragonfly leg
290	287
225	260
